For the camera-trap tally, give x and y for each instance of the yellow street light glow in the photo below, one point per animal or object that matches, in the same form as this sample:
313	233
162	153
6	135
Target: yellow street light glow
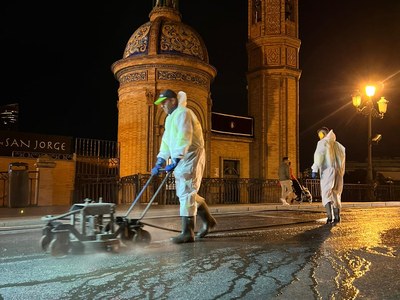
382	105
370	90
357	100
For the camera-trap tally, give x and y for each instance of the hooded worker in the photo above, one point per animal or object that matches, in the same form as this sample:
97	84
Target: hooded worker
183	142
329	161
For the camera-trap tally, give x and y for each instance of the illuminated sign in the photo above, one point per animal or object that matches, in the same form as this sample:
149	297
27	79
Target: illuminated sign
11	141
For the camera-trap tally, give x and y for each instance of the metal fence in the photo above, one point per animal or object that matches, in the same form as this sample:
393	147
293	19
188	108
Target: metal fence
240	190
243	190
215	190
358	192
132	185
97	170
96	188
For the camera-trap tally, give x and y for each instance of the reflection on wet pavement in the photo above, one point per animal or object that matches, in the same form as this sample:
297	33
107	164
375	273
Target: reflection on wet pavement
356	259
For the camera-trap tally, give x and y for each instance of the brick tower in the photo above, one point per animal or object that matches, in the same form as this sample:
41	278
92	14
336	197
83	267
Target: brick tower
163	53
273	84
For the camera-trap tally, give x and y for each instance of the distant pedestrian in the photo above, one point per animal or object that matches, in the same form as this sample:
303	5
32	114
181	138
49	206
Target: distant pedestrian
285	180
329	161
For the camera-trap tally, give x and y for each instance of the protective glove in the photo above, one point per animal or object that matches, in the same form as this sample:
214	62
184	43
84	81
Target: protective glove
159	164
314	175
173	165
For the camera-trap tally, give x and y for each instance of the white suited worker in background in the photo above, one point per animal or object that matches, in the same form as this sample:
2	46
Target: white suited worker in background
329	161
183	142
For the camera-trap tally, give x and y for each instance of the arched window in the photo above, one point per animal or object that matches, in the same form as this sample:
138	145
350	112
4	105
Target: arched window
289	10
256	11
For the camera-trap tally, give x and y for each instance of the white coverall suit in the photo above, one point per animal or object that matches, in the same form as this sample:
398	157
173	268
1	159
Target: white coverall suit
329	160
183	138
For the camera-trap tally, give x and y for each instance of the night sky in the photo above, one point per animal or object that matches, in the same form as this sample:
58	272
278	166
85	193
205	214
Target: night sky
56	63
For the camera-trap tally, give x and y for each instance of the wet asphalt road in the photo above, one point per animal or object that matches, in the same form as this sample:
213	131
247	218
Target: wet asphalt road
259	255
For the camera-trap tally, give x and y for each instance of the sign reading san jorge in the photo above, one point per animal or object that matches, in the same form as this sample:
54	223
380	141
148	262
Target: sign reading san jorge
29	142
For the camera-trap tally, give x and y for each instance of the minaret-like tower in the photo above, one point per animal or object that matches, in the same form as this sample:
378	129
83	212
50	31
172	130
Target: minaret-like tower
163	53
273	84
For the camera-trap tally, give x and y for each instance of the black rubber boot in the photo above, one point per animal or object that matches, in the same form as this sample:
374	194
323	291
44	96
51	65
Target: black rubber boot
187	234
328	208
336	214
205	215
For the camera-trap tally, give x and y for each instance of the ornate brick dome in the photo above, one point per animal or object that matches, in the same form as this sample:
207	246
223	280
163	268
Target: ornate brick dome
165	34
161	54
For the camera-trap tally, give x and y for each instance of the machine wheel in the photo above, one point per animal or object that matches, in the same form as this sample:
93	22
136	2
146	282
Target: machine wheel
44	242
59	247
142	236
127	233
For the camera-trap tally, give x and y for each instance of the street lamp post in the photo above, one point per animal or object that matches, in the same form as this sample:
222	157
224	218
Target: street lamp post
367	108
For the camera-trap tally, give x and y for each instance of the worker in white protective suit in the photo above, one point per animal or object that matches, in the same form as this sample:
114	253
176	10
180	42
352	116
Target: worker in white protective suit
183	142
329	161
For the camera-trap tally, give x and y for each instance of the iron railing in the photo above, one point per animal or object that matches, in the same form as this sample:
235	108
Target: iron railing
215	190
97	170
243	190
105	188
96	148
132	185
357	192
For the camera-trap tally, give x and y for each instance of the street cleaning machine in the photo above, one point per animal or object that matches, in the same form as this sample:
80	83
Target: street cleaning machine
94	225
